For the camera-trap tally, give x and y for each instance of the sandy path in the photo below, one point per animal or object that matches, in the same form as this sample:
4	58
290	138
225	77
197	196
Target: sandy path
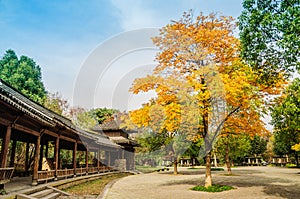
251	182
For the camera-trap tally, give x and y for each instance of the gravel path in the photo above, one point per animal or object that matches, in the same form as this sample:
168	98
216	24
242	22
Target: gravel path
250	182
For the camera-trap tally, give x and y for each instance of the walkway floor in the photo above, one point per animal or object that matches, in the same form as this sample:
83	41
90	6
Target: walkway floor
250	182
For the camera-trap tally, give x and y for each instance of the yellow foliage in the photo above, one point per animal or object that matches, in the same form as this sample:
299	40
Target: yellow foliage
198	62
296	147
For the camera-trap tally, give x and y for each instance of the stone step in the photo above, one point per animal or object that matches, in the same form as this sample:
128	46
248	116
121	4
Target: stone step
53	195
41	194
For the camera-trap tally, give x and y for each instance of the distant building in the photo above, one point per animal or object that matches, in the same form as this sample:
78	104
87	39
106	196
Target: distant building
111	128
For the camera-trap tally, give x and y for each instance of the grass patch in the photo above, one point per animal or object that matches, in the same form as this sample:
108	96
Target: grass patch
94	187
213	188
193	168
217	169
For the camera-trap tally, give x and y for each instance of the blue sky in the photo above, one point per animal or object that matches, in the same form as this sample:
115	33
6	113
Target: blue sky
61	35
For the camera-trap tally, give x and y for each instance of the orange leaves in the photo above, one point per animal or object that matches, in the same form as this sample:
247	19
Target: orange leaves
207	38
140	117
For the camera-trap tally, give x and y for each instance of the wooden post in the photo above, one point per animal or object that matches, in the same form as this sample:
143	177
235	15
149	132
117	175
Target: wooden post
74	157
41	156
13	154
26	158
5	145
56	154
87	160
36	161
47	149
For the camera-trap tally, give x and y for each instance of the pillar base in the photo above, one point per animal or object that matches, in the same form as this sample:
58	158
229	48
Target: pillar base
34	183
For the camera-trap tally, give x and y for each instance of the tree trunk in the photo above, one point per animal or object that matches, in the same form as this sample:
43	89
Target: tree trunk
208	178
175	167
215	160
296	156
227	159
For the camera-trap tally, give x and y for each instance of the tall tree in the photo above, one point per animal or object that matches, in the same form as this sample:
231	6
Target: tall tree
24	75
286	121
270	37
199	67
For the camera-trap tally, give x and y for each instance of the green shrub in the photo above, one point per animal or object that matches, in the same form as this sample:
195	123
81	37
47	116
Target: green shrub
213	188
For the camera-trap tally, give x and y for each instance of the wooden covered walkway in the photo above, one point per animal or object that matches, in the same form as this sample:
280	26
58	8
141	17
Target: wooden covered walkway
44	136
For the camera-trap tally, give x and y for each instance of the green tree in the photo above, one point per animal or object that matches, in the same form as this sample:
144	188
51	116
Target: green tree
102	114
24	75
233	147
270	36
286	120
83	118
258	145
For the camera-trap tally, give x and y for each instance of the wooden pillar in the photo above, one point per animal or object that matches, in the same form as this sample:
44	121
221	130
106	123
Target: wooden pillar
87	159
27	157
56	155
41	156
36	161
13	154
74	157
47	149
5	145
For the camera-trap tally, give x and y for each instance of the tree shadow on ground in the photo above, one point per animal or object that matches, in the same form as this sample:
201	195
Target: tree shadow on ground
272	186
191	172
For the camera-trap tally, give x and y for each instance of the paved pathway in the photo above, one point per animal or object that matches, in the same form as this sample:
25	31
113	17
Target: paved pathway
250	182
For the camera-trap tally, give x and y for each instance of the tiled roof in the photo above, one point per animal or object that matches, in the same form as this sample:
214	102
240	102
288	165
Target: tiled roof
44	115
108	125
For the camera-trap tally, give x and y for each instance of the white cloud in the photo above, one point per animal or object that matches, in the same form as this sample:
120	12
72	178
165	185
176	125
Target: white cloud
133	14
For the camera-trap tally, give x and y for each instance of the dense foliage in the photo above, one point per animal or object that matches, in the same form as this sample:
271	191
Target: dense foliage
24	75
286	121
270	36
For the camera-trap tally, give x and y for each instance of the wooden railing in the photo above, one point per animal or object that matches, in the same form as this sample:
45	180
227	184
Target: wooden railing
92	170
6	174
81	171
46	175
65	173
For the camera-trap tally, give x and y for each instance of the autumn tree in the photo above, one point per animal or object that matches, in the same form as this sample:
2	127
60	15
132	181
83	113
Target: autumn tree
203	54
56	103
286	121
24	75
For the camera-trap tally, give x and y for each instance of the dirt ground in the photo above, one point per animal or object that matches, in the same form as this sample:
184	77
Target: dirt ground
250	182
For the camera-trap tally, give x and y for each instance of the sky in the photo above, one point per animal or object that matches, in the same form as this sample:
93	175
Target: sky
91	50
